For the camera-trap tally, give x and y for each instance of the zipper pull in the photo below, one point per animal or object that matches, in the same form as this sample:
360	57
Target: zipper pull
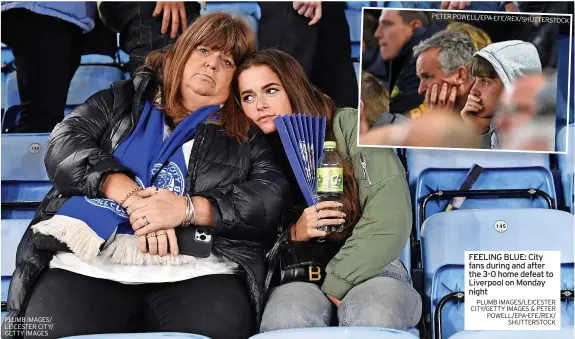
364	168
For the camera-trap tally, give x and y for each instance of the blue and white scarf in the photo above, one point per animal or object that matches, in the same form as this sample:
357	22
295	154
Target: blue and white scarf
86	225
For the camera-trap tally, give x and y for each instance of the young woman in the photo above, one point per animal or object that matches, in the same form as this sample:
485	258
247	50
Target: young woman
365	279
102	157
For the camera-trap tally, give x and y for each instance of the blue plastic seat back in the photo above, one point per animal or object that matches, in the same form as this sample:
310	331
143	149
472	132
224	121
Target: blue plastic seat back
87	80
435	179
447	235
12	232
450	278
354	21
249	9
336	333
566	164
563	80
419	159
24	175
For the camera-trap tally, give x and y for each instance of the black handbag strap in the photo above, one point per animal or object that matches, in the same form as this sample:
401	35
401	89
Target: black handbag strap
272	256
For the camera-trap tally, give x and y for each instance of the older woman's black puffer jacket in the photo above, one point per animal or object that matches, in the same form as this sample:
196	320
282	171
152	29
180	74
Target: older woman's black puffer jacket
241	180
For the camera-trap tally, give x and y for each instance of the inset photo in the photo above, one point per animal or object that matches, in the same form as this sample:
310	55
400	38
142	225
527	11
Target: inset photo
465	79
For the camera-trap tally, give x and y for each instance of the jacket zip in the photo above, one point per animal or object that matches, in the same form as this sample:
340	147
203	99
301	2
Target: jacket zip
364	168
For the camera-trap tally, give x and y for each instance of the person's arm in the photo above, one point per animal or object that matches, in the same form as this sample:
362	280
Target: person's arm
385	224
252	208
75	162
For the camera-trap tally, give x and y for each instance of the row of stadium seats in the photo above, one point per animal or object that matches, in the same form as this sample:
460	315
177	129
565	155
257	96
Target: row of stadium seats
97	72
24	183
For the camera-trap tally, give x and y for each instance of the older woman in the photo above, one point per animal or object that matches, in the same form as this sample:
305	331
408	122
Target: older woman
117	257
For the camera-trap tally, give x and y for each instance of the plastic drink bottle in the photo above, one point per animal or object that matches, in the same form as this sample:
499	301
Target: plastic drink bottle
330	180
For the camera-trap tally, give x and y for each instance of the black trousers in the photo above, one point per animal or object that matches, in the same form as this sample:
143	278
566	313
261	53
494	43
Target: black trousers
140	32
217	306
324	49
47	53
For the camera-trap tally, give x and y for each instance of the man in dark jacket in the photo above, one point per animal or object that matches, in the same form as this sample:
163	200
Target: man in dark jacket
398	32
236	184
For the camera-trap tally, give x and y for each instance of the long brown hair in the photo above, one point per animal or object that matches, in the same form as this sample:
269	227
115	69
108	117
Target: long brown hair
304	98
220	31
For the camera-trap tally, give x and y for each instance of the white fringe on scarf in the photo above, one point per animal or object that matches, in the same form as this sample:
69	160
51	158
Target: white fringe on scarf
75	233
85	244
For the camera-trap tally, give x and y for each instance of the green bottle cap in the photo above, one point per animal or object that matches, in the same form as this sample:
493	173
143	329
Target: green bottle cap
329	144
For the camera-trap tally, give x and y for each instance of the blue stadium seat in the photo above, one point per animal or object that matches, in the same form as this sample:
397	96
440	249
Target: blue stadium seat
24	177
87	80
6	55
357	5
563	80
354	20
566	163
162	335
436	179
418	160
566	332
445	237
251	10
336	333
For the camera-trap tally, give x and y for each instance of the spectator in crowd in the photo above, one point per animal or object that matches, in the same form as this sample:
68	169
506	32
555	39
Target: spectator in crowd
145	26
497	30
365	280
478	37
495	68
317	35
45	38
374	104
442	70
527	116
144	279
398	32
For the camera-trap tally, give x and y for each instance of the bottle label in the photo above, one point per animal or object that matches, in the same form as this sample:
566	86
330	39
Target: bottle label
330	180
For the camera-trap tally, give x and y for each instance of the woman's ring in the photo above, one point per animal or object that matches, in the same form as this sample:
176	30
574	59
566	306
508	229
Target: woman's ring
318	216
160	233
151	235
146	222
316	209
316	224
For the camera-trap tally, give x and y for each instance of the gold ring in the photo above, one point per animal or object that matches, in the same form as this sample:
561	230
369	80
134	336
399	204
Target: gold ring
151	235
160	233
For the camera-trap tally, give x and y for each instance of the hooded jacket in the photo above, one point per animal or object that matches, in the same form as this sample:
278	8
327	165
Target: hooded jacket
511	60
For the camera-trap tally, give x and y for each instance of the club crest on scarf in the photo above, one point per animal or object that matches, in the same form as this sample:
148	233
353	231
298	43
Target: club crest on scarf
100	226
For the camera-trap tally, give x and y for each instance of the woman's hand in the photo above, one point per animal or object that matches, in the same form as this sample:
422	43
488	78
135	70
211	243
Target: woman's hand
159	209
159	242
325	215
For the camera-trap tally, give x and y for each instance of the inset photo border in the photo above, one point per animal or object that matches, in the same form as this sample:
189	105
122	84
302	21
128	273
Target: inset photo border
465	80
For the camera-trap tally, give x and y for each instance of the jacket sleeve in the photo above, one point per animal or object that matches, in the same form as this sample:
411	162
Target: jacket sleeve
383	230
75	162
251	209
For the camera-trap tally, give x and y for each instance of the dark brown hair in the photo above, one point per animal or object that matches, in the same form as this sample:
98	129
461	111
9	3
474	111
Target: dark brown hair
304	98
220	31
482	68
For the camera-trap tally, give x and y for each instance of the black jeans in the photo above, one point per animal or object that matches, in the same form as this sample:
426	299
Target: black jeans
140	32
324	49
217	306
47	53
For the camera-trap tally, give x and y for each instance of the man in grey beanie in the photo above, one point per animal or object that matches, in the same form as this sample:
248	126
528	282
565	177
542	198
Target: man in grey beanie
495	68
